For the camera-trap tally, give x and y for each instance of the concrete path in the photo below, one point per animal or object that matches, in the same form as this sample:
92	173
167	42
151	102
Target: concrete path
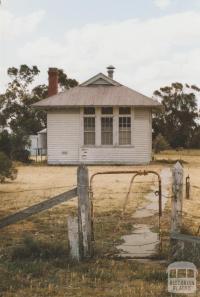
143	241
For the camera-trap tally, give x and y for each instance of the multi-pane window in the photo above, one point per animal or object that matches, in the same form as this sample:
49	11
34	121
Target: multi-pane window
107	122
124	126
107	126
89	126
107	131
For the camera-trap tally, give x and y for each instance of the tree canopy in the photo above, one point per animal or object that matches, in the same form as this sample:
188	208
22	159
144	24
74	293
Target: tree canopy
178	120
15	103
16	112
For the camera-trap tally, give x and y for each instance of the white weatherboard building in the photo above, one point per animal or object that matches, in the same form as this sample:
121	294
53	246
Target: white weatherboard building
38	143
98	122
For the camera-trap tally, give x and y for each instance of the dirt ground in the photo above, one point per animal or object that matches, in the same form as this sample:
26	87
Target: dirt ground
33	253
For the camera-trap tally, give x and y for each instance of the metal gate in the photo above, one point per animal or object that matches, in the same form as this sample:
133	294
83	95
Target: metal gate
135	174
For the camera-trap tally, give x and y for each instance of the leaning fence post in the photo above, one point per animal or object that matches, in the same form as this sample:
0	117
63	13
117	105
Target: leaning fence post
177	198
84	212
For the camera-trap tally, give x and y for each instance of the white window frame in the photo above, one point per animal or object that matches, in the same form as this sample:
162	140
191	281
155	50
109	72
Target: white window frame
110	116
130	116
98	133
83	123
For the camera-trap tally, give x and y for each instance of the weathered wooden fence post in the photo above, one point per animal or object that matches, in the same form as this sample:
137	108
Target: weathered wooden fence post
73	236
84	212
183	247
177	198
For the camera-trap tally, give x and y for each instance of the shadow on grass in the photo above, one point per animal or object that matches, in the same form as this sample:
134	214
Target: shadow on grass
32	249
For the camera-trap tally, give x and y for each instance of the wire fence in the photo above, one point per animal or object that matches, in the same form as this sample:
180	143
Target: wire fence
37	189
74	185
187	216
111	191
99	189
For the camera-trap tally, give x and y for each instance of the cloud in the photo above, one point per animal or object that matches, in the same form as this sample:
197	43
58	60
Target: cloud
12	27
147	54
162	4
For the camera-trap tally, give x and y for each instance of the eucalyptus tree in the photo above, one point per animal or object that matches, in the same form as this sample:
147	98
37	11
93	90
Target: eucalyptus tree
178	120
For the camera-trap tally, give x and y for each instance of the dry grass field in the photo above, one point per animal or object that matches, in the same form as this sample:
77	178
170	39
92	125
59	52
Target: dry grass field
191	164
34	253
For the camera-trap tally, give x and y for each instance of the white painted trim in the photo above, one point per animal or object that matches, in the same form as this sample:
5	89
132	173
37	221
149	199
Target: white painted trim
98	163
98	126
107	79
108	146
81	126
132	126
115	126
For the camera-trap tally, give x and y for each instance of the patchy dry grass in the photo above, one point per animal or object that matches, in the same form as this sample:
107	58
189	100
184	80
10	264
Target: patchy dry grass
191	208
98	277
34	253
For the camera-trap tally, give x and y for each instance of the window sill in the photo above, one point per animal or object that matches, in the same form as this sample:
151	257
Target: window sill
107	146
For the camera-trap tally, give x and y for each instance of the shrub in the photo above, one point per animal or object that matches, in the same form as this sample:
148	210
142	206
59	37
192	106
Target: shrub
14	145
7	170
33	248
5	143
21	155
19	143
160	144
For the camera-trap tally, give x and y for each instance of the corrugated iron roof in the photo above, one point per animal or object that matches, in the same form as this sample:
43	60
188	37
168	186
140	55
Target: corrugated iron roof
97	95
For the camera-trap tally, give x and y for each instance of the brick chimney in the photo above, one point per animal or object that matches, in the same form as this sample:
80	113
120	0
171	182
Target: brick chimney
53	81
110	71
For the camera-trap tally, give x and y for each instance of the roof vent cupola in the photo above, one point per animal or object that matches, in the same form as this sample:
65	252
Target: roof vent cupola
110	71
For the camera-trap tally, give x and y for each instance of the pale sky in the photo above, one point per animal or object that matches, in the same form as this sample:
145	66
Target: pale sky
150	42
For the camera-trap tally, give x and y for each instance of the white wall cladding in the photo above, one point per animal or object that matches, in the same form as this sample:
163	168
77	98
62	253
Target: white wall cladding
63	137
114	155
143	134
138	153
65	141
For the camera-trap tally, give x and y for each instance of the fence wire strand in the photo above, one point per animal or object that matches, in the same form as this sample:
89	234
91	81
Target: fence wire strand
37	189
